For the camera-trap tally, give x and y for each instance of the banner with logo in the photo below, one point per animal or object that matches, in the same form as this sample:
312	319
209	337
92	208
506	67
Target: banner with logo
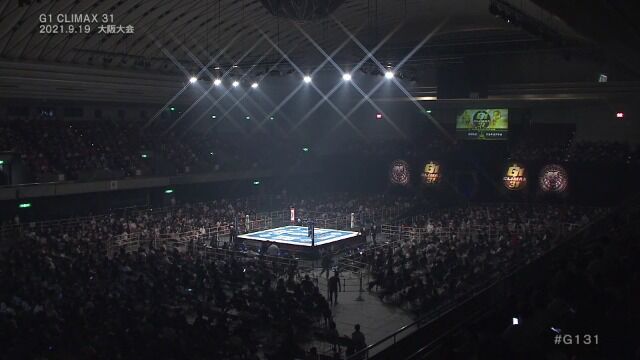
515	176
553	179
431	173
399	173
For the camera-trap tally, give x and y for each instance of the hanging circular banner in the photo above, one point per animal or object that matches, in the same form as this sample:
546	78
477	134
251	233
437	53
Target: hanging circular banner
515	177
553	178
431	174
399	172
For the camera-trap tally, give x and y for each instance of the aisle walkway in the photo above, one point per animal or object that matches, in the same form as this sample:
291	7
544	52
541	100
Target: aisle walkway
377	320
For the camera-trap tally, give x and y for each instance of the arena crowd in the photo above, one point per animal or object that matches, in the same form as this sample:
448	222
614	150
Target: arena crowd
445	254
66	298
85	150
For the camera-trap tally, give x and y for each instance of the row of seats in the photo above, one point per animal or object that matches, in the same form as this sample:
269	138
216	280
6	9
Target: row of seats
79	149
109	149
158	301
583	307
460	249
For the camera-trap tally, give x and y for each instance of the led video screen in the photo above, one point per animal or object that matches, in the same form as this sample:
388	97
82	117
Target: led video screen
483	124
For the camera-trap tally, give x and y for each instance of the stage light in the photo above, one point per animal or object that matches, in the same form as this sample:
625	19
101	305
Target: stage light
620	115
24	205
378	116
144	156
307	79
271	118
216	68
217	82
389	74
172	108
168	191
346	77
254	85
193	79
235	66
256	182
428	111
603	78
247	117
213	116
305	149
1	162
235	83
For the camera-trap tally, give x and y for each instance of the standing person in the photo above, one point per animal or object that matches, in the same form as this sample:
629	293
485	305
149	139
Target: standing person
333	336
326	263
310	231
232	234
313	354
363	232
310	225
374	231
334	287
307	285
273	250
358	340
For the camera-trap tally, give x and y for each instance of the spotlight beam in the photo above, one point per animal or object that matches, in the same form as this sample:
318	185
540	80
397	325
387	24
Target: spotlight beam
412	98
164	107
215	102
314	86
180	67
368	54
227	92
267	98
295	91
367	97
337	110
270	69
400	64
238	101
207	92
273	105
229	70
385	117
206	69
267	114
337	86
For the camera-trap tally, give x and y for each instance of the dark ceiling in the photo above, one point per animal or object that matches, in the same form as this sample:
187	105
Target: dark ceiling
611	24
170	30
174	39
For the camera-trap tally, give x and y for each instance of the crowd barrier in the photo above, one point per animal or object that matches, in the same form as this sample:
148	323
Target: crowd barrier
440	320
406	232
212	236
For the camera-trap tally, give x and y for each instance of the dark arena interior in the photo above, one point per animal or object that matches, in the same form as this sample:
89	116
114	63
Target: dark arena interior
319	179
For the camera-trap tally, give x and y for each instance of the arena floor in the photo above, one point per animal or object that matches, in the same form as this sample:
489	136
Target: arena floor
297	236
